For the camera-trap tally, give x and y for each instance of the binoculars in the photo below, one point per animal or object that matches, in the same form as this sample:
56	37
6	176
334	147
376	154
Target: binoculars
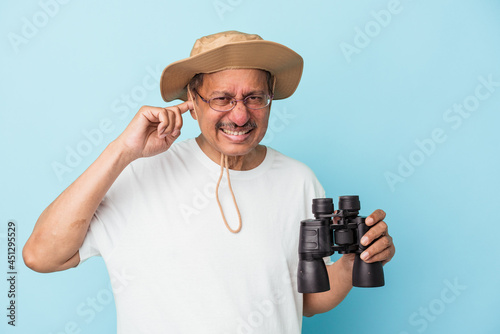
322	236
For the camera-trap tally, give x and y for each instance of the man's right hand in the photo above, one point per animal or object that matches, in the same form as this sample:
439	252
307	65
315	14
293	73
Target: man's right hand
62	226
152	130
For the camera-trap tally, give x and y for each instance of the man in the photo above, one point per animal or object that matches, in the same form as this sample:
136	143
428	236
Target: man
161	220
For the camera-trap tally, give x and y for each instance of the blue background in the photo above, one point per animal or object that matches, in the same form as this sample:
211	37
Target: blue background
373	87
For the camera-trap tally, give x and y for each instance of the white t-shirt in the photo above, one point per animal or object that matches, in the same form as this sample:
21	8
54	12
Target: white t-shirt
173	264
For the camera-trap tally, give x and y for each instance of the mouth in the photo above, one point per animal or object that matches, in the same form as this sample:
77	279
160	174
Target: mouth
236	132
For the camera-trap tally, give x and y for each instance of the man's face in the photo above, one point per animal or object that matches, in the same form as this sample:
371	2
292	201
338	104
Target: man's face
236	132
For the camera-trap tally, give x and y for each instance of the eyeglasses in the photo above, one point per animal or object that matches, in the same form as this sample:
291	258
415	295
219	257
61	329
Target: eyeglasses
227	103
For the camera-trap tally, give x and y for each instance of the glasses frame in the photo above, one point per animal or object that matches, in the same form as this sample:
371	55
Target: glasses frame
234	102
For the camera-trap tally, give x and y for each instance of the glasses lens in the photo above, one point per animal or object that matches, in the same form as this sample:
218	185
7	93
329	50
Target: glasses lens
226	103
257	101
222	103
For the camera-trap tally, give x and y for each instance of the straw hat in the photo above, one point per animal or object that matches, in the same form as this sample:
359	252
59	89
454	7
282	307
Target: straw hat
233	50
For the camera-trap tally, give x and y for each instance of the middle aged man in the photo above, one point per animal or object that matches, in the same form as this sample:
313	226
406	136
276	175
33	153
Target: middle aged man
188	251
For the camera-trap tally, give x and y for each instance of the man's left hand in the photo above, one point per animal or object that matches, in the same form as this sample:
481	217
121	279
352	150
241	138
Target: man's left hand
383	248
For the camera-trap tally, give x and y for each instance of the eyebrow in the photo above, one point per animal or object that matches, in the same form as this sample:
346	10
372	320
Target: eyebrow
225	93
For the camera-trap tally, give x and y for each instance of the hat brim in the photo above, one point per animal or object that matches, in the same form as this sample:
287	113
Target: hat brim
283	63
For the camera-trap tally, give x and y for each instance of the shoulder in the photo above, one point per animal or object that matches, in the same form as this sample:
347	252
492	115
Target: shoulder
151	170
295	171
296	179
284	162
178	152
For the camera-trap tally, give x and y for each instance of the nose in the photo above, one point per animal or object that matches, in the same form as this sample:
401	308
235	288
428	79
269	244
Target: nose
240	114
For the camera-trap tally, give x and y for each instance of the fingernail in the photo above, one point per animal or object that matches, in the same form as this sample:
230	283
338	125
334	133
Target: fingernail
163	135
175	133
364	241
364	256
368	220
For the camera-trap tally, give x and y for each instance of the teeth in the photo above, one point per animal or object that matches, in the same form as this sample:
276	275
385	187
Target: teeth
235	133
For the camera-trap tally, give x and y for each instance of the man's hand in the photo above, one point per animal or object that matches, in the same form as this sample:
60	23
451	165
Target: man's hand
382	249
340	272
153	130
60	230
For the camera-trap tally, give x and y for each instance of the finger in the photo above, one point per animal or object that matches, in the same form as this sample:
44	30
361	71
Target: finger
175	118
164	122
178	123
376	231
171	122
336	219
376	216
149	113
392	252
183	107
377	251
384	256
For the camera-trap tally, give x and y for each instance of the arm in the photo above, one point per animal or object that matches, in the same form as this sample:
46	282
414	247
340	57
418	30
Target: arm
340	273
61	228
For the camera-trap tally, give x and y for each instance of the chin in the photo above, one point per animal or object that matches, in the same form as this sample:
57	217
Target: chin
234	150
236	146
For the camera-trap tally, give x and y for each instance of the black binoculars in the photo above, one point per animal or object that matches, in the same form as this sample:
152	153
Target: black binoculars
321	237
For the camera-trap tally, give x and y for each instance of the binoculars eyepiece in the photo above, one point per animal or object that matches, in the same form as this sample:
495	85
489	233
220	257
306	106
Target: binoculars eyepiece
322	236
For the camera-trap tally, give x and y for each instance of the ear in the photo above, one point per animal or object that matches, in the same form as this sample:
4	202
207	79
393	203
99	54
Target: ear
193	101
193	111
193	114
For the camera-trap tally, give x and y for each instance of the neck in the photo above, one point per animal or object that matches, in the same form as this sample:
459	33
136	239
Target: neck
247	161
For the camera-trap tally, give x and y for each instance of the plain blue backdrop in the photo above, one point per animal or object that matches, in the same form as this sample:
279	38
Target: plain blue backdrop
399	103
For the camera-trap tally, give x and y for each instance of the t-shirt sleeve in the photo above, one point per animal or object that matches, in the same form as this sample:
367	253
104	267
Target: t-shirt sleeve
89	247
111	217
319	191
